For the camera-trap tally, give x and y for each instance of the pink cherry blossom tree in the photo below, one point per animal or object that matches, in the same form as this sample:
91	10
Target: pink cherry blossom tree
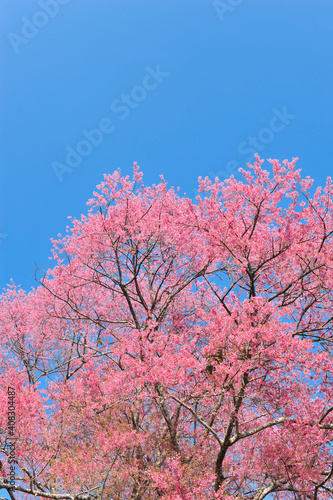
176	350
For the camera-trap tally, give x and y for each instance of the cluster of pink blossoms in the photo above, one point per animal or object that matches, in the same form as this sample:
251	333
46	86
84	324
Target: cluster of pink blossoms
178	350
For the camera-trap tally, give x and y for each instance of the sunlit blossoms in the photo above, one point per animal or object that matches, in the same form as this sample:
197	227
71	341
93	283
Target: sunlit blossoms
178	350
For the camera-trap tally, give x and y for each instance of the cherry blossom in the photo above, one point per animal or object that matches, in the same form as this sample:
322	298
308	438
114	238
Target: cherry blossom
177	349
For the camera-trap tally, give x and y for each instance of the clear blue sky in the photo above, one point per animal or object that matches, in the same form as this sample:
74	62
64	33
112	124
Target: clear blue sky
180	86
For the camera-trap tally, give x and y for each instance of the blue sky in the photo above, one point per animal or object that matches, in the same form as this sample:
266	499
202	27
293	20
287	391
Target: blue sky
185	88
